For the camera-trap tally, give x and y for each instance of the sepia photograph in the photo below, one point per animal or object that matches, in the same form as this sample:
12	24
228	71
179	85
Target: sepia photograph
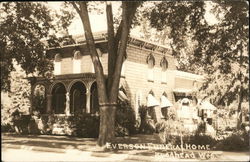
125	80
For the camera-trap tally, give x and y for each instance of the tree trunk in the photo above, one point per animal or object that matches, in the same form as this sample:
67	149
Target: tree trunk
107	124
116	49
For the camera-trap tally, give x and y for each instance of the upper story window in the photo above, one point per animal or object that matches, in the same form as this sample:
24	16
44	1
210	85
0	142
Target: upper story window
57	64
164	67
151	64
77	62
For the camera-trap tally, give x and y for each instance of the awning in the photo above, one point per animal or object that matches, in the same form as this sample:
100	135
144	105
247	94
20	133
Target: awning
206	105
165	102
152	101
122	96
182	90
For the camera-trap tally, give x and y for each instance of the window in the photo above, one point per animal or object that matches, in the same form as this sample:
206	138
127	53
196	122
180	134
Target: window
151	64
164	66
57	64
77	62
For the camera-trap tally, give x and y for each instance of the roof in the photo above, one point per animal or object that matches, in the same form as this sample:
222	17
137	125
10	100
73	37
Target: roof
102	37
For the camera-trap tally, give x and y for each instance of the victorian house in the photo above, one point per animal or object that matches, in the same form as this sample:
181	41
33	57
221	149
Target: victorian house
149	77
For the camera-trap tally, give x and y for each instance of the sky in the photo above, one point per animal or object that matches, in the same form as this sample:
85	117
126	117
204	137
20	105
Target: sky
98	22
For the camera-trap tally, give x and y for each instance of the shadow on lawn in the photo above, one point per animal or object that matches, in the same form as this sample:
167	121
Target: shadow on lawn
61	144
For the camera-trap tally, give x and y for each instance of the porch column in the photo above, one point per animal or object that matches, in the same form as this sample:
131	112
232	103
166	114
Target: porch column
49	101
88	100
67	109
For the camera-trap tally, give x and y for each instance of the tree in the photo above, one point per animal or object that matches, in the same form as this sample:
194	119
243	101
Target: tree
18	95
117	43
229	52
221	52
24	27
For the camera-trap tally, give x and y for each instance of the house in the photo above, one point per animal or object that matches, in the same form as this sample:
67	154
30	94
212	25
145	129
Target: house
149	77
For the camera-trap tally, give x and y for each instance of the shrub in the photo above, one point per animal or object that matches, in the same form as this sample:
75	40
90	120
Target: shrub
238	141
83	125
125	121
202	139
6	128
20	122
147	125
170	131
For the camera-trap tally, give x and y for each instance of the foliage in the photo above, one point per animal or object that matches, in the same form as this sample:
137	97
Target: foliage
20	122
202	139
85	125
80	125
39	99
171	131
218	50
18	96
6	128
238	141
147	125
125	119
24	27
201	128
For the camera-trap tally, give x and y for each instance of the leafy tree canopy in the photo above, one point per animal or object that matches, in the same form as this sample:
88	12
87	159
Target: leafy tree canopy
218	51
24	27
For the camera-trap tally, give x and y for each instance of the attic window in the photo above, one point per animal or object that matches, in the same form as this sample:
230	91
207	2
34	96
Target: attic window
58	57
77	55
164	67
151	63
77	62
164	64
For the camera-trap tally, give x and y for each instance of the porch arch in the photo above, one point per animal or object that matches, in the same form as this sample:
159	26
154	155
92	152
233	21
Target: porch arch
75	81
78	98
58	98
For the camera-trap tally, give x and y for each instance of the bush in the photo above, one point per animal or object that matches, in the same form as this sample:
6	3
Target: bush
238	141
147	125
125	121
6	128
170	131
201	139
85	125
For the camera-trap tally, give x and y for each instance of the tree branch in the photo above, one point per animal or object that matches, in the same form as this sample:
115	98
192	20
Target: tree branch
76	7
102	95
127	17
111	44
